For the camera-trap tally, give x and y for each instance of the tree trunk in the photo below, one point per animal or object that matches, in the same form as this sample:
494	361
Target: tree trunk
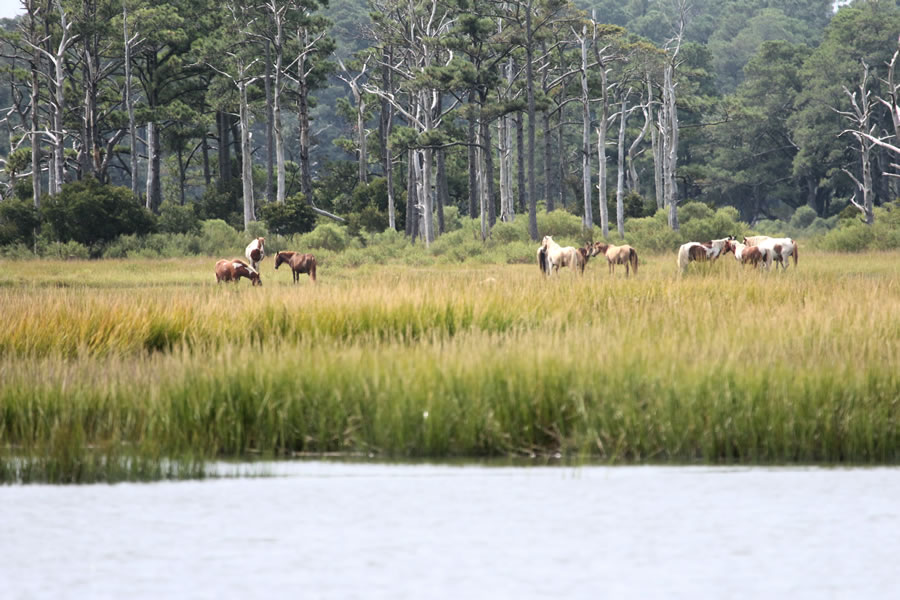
129	104
303	118
529	85
601	152
620	173
207	178
246	156
471	140
670	147
561	162
588	219
35	127
488	144
412	213
224	151
270	118
443	194
520	162
387	117
154	188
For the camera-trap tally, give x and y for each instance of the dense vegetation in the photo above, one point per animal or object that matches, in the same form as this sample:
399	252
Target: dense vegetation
217	111
133	369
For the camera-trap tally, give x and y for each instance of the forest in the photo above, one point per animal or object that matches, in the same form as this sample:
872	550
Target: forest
136	117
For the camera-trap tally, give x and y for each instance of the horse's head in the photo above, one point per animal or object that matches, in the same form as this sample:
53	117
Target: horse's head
728	246
546	241
253	276
599	248
278	259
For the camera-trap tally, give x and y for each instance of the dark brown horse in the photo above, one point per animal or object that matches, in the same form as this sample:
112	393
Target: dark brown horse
299	263
233	270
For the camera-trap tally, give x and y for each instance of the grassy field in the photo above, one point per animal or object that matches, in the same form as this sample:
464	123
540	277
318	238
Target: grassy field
139	369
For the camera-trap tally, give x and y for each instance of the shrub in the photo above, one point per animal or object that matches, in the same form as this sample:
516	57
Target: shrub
691	211
559	224
652	234
515	231
217	238
66	251
92	214
294	216
175	218
18	220
803	217
328	236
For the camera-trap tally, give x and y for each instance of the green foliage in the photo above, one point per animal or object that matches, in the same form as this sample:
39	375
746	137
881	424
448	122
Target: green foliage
294	216
652	234
18	220
803	217
856	236
175	218
218	238
327	236
559	224
222	205
92	214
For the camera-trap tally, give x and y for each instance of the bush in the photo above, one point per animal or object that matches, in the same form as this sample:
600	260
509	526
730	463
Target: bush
66	251
328	236
559	224
691	211
803	217
175	218
18	220
93	214
217	238
294	216
515	231
652	234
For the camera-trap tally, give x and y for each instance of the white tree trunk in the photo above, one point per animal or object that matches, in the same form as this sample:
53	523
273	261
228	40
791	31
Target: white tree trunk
620	174
246	156
588	219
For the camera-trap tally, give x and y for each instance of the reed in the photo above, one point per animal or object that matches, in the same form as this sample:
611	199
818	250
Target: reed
107	375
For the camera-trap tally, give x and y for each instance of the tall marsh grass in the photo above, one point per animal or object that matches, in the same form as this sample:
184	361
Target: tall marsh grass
114	370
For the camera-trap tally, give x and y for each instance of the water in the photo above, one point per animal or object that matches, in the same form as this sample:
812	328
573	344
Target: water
338	530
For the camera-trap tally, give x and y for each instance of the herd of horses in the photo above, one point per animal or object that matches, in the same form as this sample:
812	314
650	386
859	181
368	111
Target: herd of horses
234	269
756	250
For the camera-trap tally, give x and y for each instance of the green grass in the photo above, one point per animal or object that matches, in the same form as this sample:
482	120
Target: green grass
114	370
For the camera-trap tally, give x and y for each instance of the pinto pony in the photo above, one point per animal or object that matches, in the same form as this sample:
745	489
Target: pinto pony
747	254
299	263
233	270
703	251
255	252
755	240
779	250
551	256
617	255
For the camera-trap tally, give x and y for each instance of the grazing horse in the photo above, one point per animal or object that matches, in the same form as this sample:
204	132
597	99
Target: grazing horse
299	263
711	250
617	255
747	254
255	252
551	256
233	270
756	240
779	250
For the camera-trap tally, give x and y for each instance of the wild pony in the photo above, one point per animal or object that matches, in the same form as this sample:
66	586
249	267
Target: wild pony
778	250
702	251
233	270
299	263
584	254
755	240
617	255
551	256
747	254
255	252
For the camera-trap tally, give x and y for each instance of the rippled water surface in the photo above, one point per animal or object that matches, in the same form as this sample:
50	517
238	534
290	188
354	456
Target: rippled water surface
338	530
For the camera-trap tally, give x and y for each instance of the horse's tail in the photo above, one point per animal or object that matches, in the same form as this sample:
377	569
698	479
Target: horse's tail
683	257
312	269
634	260
796	250
542	260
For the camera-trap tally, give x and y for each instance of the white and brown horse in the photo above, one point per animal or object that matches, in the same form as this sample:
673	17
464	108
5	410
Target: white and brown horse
255	252
755	240
233	270
617	255
779	250
747	254
299	263
551	256
703	251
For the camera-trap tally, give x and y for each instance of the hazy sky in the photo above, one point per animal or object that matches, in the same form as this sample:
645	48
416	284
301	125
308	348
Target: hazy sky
10	8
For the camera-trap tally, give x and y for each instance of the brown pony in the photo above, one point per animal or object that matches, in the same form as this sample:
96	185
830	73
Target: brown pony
233	270
617	255
299	263
585	254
